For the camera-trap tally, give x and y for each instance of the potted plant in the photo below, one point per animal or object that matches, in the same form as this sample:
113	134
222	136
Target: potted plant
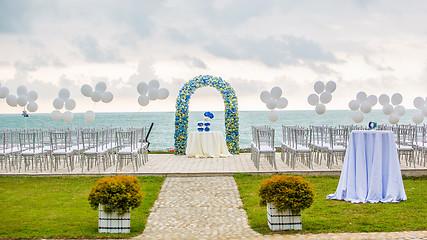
115	197
285	197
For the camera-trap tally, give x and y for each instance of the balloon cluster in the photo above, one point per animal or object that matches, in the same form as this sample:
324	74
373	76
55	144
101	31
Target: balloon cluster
100	93
63	100
151	91
24	99
421	104
393	110
273	100
322	96
364	103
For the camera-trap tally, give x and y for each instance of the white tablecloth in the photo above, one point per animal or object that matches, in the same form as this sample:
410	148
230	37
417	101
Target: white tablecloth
206	144
371	169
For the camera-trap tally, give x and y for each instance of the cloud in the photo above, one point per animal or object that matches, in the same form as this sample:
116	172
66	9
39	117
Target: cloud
377	66
93	52
192	62
273	51
14	17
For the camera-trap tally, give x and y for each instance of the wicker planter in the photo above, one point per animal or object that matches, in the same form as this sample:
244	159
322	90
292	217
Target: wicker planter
113	223
286	220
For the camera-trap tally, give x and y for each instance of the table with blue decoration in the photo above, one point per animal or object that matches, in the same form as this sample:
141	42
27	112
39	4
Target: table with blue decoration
206	144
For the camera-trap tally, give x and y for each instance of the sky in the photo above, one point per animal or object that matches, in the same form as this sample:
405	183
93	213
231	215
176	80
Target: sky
376	46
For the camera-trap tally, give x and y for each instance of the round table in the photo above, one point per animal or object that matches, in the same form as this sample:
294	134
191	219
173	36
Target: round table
371	169
206	144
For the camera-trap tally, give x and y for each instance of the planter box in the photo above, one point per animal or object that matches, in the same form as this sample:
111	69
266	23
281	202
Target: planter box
113	223
286	220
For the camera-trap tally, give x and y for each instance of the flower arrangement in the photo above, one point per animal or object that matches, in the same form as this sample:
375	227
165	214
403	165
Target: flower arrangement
287	192
119	193
231	114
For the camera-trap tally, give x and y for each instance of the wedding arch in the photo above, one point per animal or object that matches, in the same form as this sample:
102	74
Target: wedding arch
231	117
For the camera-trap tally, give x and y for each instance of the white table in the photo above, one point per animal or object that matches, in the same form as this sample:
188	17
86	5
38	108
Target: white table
371	169
206	144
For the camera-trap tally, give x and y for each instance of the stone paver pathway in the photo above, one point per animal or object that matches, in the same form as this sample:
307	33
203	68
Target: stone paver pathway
198	208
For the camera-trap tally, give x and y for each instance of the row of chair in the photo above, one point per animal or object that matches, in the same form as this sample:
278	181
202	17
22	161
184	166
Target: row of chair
43	150
315	144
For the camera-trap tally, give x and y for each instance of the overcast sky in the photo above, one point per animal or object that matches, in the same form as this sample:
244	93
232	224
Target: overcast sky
372	46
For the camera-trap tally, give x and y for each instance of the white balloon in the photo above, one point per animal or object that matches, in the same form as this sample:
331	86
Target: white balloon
319	86
143	100
89	116
32	106
361	96
281	103
365	107
330	87
372	100
357	117
424	110
22	100
58	103
388	109
276	92
271	104
142	88
419	102
32	96
4	92
384	99
107	97
153	94
96	96
64	93
313	99
354	105
21	90
86	90
56	115
400	110
67	116
153	84
418	118
325	97
273	116
163	93
396	99
12	100
394	118
265	95
70	104
320	108
101	87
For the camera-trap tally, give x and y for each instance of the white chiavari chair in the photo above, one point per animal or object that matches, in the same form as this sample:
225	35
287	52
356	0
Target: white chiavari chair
62	148
128	151
300	147
265	145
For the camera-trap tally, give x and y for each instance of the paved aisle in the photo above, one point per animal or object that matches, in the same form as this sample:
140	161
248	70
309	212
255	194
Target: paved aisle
198	208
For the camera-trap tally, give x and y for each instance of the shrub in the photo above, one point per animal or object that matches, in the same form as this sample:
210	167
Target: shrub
287	191
119	193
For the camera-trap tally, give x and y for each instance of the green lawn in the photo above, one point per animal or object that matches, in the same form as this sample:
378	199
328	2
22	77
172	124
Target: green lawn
57	207
329	216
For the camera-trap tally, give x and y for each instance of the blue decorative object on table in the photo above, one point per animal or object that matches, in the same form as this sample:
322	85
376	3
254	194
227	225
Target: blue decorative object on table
207	129
207	124
372	125
200	123
200	129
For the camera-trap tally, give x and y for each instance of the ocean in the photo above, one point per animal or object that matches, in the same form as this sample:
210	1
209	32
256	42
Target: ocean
162	134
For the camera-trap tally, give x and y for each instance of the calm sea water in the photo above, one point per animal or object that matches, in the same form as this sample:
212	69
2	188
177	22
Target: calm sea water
162	135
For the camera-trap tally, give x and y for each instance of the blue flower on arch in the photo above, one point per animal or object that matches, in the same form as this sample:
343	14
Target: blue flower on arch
231	119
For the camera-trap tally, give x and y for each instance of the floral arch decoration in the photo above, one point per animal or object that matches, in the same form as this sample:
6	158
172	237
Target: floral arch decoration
231	117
